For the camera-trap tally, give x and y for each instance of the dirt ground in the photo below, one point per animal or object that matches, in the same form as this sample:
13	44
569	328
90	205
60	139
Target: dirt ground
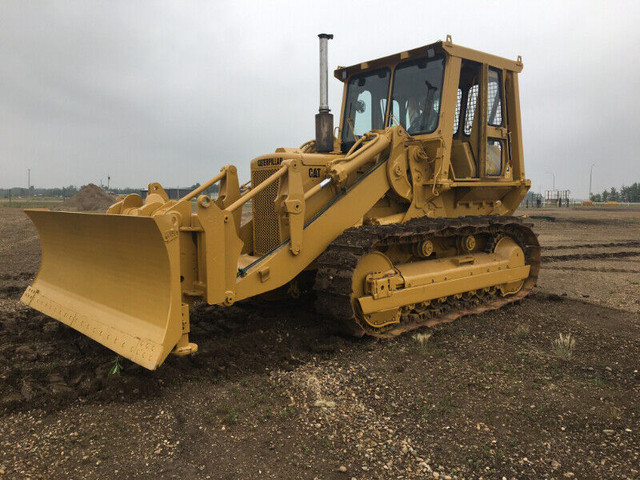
90	198
272	393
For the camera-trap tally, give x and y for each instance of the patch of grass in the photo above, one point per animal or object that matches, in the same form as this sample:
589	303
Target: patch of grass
266	415
598	382
511	390
421	338
444	406
535	364
388	409
286	412
232	417
564	345
615	412
116	368
522	331
225	415
34	202
418	344
554	369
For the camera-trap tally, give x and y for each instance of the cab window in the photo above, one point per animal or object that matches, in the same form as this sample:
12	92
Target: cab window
365	104
416	95
494	112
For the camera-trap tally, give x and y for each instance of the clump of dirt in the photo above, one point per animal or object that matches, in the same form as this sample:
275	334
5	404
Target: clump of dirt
90	199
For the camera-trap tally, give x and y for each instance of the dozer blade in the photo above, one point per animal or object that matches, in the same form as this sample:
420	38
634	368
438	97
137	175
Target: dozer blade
115	278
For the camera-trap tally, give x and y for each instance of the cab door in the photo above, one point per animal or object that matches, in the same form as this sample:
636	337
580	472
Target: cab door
497	162
480	147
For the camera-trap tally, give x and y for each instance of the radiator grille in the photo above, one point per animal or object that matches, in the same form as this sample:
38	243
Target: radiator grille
266	229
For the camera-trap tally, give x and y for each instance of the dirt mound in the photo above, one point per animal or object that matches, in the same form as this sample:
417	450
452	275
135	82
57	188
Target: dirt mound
90	199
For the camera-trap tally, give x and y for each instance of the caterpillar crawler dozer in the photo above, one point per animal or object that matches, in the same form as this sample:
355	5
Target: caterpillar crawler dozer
403	219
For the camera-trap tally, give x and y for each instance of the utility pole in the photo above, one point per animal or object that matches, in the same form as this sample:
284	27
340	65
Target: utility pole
28	183
590	179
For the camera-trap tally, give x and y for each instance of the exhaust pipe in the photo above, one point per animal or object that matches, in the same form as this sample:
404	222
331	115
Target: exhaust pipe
324	119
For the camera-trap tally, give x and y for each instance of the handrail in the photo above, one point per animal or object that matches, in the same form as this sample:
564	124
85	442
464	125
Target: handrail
371	139
204	186
257	189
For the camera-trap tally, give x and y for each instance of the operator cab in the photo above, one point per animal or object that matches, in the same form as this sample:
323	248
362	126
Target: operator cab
418	89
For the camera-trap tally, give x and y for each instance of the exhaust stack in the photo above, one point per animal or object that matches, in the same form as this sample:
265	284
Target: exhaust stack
324	119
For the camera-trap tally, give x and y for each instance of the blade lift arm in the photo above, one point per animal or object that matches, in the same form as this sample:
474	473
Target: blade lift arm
206	245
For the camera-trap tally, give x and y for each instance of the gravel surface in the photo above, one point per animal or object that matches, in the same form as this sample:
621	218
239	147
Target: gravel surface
273	394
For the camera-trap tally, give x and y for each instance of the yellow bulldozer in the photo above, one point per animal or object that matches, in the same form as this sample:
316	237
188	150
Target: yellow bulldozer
401	217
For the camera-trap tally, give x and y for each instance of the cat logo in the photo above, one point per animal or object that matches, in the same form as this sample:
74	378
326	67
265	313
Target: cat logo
314	172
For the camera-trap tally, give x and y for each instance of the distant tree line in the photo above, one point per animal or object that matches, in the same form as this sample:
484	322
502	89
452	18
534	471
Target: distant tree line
626	194
58	192
71	190
532	197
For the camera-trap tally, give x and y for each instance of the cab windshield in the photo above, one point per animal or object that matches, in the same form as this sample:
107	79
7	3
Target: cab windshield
366	105
417	91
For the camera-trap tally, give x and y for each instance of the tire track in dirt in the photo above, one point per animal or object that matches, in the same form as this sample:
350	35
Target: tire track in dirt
592	269
588	256
631	243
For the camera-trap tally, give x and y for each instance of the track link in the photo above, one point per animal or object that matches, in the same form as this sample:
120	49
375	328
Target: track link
337	264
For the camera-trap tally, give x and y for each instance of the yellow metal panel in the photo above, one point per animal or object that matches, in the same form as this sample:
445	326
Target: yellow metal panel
419	52
344	213
514	121
442	289
114	278
482	57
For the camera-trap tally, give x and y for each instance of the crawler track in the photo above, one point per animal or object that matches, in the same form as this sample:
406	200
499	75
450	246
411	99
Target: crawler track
336	267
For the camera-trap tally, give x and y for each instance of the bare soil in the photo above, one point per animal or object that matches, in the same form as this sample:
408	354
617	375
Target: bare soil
272	393
90	199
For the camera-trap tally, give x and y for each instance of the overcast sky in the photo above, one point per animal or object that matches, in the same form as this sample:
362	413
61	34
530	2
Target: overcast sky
171	91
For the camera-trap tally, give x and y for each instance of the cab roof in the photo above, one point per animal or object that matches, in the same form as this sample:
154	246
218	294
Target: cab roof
447	46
